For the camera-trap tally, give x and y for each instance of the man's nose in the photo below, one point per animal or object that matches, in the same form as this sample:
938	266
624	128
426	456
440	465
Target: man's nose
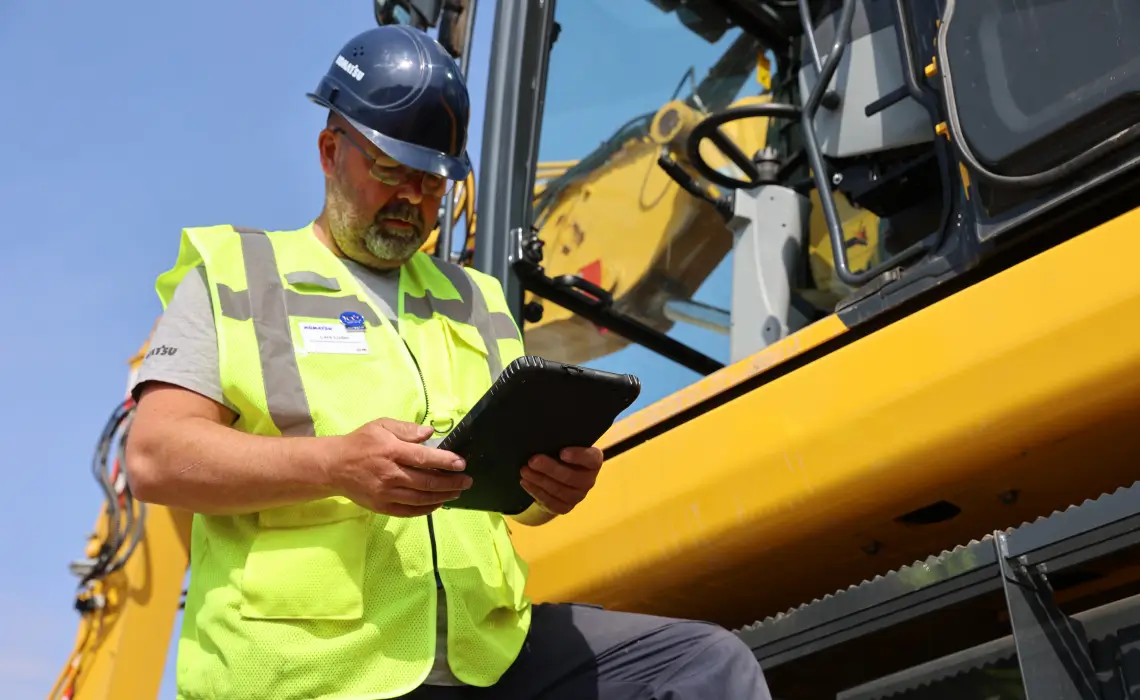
410	191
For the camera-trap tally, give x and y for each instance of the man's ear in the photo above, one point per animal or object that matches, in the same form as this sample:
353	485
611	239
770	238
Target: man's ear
327	148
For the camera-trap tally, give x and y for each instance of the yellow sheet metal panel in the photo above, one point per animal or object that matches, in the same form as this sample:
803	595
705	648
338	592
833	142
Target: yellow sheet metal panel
124	656
732	375
1026	382
710	386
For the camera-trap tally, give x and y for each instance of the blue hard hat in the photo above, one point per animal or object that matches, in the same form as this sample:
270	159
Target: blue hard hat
402	90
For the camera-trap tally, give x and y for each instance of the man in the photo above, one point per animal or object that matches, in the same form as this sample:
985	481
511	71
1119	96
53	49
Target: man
305	377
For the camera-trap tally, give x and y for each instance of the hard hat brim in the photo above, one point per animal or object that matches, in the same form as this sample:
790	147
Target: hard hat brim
409	154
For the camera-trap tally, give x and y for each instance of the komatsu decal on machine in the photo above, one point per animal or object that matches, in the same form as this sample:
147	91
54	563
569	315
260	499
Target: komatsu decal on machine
917	475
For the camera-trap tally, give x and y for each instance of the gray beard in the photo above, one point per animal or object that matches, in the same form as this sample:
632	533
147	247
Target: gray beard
392	243
386	243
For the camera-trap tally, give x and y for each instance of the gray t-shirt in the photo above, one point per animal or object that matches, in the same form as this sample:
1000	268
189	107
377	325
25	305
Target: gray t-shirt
184	351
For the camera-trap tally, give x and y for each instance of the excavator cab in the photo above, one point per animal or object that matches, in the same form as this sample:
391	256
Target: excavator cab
888	219
943	134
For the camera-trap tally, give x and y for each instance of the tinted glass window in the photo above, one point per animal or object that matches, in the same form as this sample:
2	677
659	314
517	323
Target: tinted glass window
1039	81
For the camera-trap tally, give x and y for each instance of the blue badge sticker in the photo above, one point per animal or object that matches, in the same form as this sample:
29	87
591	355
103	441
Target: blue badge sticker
352	321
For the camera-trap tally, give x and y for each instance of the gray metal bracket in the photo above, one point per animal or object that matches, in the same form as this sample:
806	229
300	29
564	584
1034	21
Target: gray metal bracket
1052	648
770	224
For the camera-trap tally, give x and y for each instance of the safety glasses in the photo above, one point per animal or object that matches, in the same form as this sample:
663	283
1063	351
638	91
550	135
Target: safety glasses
395	174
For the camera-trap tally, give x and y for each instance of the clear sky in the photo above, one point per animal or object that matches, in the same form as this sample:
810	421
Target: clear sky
126	120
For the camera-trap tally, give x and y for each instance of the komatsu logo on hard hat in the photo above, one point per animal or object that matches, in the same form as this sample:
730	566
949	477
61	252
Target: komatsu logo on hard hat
349	68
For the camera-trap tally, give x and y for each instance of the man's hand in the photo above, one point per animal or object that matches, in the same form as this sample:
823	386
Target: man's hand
382	467
558	486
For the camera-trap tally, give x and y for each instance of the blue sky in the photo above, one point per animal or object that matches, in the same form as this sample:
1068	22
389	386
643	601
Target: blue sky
127	120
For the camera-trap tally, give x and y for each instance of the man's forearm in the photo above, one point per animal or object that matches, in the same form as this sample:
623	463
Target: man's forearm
198	465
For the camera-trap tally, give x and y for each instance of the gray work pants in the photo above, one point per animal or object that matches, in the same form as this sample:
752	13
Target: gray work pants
579	652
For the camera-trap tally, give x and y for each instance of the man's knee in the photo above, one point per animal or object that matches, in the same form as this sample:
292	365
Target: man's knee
719	664
716	642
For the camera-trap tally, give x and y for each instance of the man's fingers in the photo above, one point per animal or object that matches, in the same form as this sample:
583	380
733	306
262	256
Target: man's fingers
580	478
408	432
585	457
435	481
428	458
546	499
567	493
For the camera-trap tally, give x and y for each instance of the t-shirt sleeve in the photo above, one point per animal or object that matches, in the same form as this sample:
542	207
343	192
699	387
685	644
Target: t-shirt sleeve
184	347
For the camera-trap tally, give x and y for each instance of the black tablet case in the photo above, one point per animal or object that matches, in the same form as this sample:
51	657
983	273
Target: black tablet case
536	406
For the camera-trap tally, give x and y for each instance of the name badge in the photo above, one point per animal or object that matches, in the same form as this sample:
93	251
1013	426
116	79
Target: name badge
332	338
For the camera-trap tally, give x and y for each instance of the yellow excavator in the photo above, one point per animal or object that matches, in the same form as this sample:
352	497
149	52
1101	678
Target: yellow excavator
915	473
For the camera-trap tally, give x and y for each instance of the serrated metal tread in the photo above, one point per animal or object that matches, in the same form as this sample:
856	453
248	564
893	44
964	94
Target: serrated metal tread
1103	498
1107	508
931	562
889	586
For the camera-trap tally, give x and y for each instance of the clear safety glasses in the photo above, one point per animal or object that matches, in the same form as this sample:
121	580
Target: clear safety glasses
395	174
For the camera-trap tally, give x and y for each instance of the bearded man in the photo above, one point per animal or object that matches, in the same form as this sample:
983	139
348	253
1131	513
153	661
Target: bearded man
303	379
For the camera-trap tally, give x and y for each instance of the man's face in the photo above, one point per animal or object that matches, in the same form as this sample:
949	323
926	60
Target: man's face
379	211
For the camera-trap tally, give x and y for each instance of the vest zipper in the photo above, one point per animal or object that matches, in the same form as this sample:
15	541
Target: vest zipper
423	384
430	521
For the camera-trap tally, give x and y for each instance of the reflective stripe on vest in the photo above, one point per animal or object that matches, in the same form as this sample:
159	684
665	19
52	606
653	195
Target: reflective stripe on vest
270	305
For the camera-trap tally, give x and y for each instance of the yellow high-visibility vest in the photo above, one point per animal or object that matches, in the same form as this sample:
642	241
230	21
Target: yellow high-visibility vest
326	599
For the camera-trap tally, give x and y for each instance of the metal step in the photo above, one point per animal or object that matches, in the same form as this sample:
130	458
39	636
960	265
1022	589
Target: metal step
1114	636
1053	648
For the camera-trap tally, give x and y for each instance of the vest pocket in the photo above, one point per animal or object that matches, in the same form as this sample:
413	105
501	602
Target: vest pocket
468	363
467	336
307	562
513	589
